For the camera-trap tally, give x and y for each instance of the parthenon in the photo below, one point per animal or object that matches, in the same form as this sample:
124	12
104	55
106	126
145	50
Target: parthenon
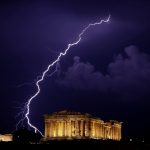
74	125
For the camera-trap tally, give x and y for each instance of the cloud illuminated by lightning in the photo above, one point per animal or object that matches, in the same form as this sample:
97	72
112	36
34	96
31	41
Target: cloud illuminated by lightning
61	54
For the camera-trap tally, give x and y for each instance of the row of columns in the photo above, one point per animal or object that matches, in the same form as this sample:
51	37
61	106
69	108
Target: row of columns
71	128
115	132
82	128
105	131
97	129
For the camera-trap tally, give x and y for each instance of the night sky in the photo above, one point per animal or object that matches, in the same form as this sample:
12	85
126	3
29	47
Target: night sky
106	75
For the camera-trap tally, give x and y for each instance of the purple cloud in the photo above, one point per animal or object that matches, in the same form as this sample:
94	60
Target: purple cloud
128	75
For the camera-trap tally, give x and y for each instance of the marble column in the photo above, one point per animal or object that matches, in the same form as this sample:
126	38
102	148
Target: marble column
50	129
95	126
120	133
46	131
73	128
77	128
66	128
63	128
98	125
101	131
54	129
59	130
96	133
56	126
81	128
86	128
114	133
69	128
92	128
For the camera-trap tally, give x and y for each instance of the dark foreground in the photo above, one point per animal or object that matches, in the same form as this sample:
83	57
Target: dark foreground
102	145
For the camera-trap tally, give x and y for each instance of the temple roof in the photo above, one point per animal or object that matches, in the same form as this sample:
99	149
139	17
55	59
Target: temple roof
66	112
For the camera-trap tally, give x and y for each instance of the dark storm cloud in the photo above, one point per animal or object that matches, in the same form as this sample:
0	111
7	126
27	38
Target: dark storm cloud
128	75
83	76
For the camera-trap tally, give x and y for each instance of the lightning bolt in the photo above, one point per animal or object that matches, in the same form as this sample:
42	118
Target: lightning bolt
30	83
61	54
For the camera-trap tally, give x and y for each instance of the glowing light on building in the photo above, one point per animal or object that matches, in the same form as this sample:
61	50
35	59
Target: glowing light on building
74	125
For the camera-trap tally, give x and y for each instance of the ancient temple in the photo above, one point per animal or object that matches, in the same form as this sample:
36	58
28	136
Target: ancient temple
74	125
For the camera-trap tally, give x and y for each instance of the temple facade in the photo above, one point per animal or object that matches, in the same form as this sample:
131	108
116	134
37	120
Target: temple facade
74	125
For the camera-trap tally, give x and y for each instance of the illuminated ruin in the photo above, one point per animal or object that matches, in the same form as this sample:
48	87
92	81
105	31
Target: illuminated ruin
74	125
6	138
